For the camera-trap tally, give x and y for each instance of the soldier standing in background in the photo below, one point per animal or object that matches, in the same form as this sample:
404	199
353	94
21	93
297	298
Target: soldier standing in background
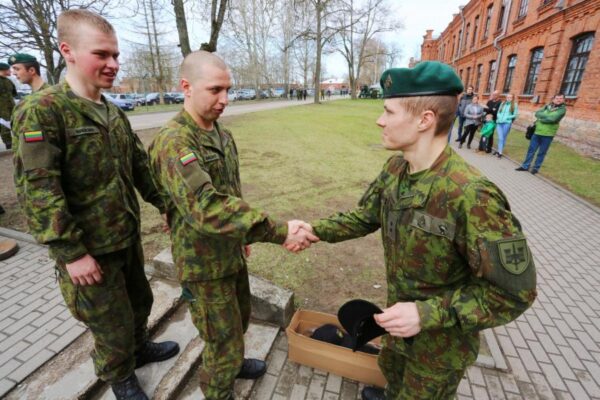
7	102
195	161
27	71
457	261
77	165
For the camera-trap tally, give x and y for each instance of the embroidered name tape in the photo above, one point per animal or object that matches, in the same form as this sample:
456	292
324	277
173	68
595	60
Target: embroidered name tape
188	158
34	136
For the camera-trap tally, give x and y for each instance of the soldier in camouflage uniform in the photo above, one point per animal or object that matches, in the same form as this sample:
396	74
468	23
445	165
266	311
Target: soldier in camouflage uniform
7	102
195	162
27	70
456	258
77	165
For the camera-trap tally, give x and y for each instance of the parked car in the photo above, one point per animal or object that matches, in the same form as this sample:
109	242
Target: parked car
152	98
173	98
264	94
139	99
125	105
232	95
247	94
277	92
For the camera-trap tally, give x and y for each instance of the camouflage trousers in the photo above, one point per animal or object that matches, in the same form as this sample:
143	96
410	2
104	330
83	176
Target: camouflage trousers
116	311
220	310
410	380
6	136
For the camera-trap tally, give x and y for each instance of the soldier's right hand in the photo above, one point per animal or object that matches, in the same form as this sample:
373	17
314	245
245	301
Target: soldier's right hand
85	271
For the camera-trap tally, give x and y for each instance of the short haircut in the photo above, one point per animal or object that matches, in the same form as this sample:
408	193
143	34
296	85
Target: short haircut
191	67
69	21
33	64
444	108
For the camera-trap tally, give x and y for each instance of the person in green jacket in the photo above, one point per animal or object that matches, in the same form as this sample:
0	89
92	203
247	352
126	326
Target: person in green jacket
546	125
456	258
487	130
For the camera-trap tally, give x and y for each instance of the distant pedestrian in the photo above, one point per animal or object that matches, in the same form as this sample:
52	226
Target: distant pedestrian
491	107
291	94
7	102
465	100
507	113
546	125
486	131
322	94
304	93
473	115
328	94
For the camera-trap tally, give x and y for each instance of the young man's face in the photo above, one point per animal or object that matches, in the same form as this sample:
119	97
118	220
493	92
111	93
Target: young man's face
94	57
5	73
23	74
469	90
207	95
400	128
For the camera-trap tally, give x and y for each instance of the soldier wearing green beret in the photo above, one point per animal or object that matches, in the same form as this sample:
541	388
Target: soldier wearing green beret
7	102
456	258
78	164
194	160
27	70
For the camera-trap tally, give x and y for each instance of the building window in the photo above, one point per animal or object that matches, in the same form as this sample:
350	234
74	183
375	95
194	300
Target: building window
488	21
460	73
523	8
501	17
478	79
466	37
490	81
578	58
458	43
510	70
468	76
534	70
453	46
475	29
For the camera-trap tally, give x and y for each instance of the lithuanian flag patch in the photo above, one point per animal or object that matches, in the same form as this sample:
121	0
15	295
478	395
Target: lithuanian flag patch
188	158
34	136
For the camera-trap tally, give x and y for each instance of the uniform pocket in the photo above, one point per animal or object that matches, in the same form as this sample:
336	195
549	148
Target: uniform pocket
214	309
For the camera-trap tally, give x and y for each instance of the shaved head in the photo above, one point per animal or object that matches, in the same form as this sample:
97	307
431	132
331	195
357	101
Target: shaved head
193	65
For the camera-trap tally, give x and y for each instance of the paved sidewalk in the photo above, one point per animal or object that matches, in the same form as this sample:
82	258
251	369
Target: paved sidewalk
552	350
34	322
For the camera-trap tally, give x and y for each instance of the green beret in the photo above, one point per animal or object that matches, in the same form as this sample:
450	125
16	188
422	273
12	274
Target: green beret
4	66
428	78
21	58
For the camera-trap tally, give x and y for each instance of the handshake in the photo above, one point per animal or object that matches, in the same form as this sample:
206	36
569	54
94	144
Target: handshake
300	236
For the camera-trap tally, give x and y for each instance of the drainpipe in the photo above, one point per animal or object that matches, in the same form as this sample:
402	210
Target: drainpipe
462	34
508	5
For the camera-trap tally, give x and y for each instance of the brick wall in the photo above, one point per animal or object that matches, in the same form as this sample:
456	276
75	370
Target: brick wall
550	25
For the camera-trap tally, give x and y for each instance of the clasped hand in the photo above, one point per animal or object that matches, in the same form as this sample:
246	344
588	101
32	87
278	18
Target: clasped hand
401	319
300	236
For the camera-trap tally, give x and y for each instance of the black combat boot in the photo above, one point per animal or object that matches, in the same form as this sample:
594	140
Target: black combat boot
129	389
252	369
372	393
153	352
2	210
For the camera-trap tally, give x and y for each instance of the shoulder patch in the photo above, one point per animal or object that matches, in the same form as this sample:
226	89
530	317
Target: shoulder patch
514	255
188	158
33	136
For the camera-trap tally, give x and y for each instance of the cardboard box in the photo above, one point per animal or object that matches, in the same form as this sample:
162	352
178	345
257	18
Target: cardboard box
338	360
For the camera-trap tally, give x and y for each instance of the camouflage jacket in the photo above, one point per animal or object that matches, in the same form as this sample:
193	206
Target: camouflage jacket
7	94
451	245
75	177
209	221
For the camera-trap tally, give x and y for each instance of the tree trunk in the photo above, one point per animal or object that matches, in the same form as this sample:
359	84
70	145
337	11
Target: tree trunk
319	43
184	40
217	17
161	83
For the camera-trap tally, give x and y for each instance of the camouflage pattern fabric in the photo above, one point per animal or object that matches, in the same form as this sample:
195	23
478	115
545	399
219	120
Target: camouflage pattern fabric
116	310
199	173
45	85
7	103
411	380
221	312
75	175
452	246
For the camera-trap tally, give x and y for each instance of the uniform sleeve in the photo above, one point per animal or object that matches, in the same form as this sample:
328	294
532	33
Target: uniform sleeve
142	177
37	160
183	175
503	281
353	224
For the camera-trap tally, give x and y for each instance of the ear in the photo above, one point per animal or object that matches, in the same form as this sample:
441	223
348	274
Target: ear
186	87
428	121
67	52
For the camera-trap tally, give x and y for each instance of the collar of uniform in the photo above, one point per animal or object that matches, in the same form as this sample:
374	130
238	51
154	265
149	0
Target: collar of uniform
204	136
86	109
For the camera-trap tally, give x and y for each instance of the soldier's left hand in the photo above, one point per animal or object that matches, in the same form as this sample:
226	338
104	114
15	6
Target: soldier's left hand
401	319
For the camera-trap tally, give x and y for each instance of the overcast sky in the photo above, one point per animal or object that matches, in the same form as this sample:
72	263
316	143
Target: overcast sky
417	16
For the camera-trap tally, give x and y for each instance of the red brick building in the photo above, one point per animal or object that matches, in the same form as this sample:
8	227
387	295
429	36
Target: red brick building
533	49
